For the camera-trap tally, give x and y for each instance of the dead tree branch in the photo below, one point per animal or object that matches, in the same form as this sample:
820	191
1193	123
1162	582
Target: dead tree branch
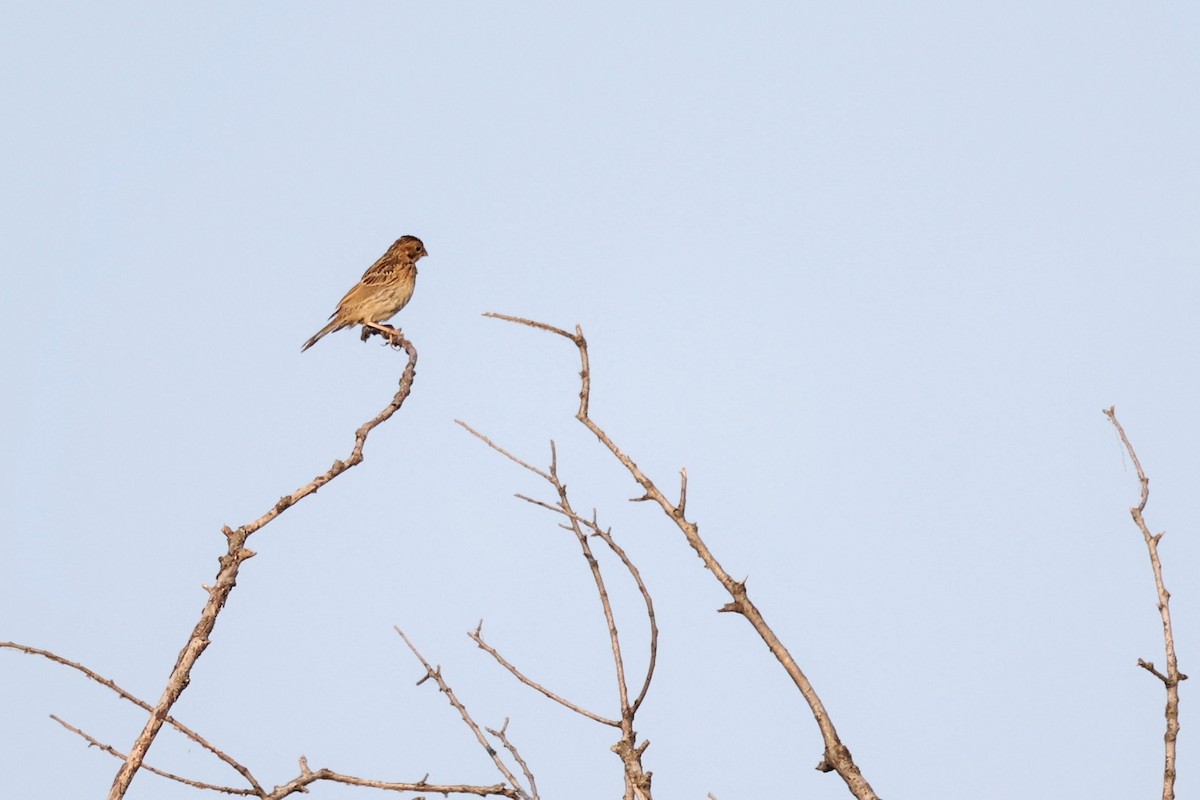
637	779
308	777
477	637
230	564
124	695
502	736
298	784
436	675
162	773
836	755
1173	676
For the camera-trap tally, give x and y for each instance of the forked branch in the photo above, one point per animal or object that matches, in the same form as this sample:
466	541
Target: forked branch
637	779
296	785
435	673
218	593
1172	677
836	756
256	789
230	564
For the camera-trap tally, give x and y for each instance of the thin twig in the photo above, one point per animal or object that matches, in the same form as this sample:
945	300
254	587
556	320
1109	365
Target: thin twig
610	621
294	786
606	537
637	780
231	563
308	777
585	374
124	695
436	675
564	508
1173	676
177	778
477	637
502	735
501	450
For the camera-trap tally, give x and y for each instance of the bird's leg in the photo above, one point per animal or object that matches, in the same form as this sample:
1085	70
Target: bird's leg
386	331
371	328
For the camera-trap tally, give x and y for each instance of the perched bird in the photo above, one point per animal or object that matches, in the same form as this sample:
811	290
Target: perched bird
385	288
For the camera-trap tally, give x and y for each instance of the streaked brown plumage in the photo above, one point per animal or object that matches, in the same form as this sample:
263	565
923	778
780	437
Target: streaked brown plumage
385	288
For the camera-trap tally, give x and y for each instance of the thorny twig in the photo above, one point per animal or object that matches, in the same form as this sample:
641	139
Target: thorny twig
1172	678
298	784
230	564
174	723
637	779
836	756
502	735
218	594
436	674
162	773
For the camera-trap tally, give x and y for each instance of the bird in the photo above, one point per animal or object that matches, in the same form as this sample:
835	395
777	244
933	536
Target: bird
384	289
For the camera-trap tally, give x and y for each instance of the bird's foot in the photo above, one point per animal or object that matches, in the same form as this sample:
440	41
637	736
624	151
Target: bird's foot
394	336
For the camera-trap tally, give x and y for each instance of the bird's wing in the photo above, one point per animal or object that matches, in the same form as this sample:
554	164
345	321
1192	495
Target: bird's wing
382	271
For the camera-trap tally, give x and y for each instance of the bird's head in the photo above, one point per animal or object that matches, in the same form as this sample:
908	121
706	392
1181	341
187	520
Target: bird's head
410	246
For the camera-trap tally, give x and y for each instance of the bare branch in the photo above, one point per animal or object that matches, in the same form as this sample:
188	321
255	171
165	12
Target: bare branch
436	675
124	695
477	637
308	777
836	756
231	563
637	780
178	779
1143	481
606	537
614	638
502	451
531	323
585	373
1173	676
502	735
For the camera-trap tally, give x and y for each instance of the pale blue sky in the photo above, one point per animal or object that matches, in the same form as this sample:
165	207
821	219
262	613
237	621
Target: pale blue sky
870	271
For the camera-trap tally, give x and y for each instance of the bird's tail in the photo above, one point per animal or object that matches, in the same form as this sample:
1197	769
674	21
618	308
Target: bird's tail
330	328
